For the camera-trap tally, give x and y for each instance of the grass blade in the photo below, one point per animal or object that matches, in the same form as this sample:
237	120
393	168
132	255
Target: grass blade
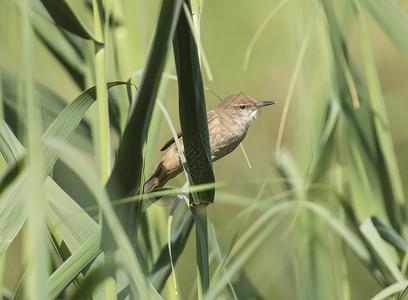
61	14
381	127
382	254
391	18
391	290
193	115
61	278
60	46
66	122
70	226
321	160
193	120
180	232
11	212
404	294
369	167
126	173
138	283
390	235
95	277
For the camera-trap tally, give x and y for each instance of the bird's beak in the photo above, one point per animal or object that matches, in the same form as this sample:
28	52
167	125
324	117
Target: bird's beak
264	103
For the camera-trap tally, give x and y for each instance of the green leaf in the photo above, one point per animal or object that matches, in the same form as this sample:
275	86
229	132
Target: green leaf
392	180
390	235
180	232
61	14
322	158
258	237
404	294
127	170
51	106
392	19
93	279
201	224
10	174
66	122
193	120
126	173
61	278
61	47
12	215
193	115
240	284
382	255
69	225
391	290
373	177
71	228
138	283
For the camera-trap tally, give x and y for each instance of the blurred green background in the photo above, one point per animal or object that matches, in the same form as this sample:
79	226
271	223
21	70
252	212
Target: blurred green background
280	267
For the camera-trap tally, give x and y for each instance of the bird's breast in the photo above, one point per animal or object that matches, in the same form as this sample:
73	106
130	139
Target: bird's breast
224	137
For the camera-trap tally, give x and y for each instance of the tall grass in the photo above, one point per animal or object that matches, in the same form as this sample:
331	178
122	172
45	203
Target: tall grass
331	207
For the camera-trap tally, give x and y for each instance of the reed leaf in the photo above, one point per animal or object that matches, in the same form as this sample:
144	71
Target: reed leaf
61	14
193	115
126	173
392	19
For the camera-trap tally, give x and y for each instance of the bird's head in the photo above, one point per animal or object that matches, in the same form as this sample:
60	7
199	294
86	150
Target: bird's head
241	108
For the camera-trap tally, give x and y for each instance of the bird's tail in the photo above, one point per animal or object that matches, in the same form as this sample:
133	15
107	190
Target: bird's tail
155	180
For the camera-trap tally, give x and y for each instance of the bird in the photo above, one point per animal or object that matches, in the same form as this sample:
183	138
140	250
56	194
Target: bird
227	126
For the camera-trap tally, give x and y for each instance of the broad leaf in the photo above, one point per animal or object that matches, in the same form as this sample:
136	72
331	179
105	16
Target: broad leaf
193	115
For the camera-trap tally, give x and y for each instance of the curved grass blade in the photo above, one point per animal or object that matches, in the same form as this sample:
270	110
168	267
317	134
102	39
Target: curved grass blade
259	31
233	268
72	225
67	272
372	169
51	105
391	290
404	294
392	19
382	255
382	131
193	120
69	225
138	283
93	279
61	14
61	47
169	221
180	232
193	115
322	158
199	213
176	141
267	222
390	235
66	219
66	122
196	35
10	174
126	173
240	284
12	215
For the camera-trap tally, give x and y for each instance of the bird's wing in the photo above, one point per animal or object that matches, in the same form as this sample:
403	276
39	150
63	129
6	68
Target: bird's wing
170	141
211	115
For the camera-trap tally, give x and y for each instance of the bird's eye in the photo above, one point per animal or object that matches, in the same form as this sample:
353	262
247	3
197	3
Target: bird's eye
242	106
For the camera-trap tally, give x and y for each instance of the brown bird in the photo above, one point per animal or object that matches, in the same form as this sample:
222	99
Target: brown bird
227	127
